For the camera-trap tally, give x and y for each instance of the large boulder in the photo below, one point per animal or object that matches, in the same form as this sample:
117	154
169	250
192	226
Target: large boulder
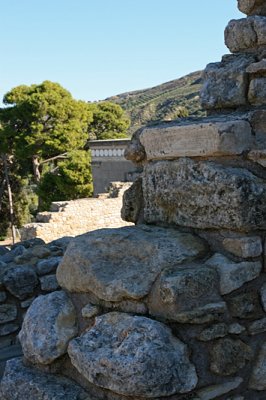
133	356
123	263
197	194
48	326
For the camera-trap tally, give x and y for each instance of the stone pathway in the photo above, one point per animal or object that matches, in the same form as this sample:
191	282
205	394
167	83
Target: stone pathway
6	354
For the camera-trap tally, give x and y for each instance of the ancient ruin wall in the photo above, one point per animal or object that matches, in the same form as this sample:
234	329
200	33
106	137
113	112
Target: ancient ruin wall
72	218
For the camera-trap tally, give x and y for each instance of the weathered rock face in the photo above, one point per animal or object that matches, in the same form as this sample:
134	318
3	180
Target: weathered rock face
111	264
45	336
25	383
190	193
245	34
133	356
252	7
20	281
213	138
226	83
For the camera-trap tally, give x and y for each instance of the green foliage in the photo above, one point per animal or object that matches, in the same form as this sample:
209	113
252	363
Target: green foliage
71	179
42	120
109	121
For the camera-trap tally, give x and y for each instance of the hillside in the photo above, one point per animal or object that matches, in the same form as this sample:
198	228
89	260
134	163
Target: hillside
164	102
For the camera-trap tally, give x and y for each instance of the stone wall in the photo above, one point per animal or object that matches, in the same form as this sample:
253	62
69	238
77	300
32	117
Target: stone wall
174	307
71	218
27	270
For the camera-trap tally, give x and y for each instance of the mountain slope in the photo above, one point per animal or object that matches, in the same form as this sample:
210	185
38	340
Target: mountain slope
164	102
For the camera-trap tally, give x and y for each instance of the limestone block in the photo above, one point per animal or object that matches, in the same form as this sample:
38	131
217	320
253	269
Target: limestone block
196	140
234	275
246	34
258	377
252	7
20	281
257	91
228	356
225	84
190	193
135	151
245	247
48	326
184	294
133	356
123	263
25	383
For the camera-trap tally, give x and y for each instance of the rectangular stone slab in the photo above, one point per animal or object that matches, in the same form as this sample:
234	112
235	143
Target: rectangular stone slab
203	194
221	138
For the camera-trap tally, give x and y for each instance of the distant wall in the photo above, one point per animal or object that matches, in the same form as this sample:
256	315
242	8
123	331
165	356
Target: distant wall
71	218
109	164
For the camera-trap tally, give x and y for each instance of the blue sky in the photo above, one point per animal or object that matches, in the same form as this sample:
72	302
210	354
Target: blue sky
99	48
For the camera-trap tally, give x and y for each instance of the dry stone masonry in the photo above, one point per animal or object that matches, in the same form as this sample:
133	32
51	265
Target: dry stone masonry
174	307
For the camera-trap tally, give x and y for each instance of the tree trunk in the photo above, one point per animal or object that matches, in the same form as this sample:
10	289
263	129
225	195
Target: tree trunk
36	171
10	200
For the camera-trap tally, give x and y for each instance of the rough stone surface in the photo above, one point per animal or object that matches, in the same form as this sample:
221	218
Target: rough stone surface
257	327
213	138
197	194
245	34
183	292
47	266
135	152
252	7
257	68
6	329
234	275
258	156
117	264
90	311
228	356
257	120
25	383
8	312
133	356
45	336
132	208
257	91
10	256
20	281
49	283
244	247
225	84
213	332
258	377
213	392
263	296
236	329
245	305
